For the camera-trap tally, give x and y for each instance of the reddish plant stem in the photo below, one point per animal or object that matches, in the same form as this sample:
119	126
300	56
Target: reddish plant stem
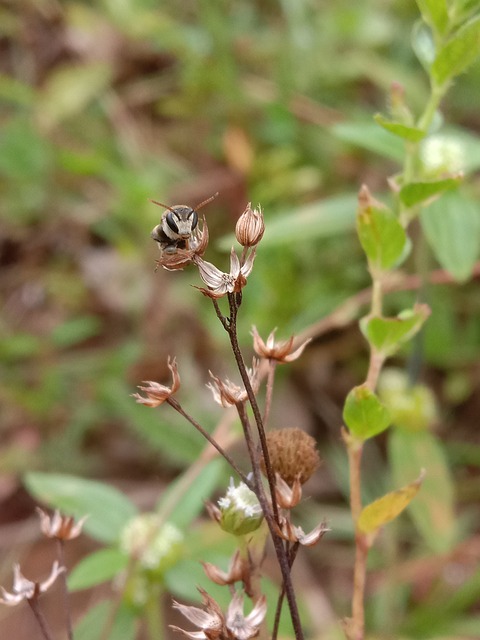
355	450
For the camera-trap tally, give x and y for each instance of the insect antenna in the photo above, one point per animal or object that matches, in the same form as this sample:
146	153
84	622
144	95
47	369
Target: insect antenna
160	204
199	206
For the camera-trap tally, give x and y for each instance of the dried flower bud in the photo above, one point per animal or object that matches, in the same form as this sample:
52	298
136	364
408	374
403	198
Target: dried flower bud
250	227
290	532
156	393
240	511
156	546
281	351
293	454
60	526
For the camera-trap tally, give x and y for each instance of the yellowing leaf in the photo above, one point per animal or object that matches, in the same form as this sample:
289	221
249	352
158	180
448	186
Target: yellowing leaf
388	507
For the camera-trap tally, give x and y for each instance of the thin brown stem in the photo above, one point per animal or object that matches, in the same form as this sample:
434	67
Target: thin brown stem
63	579
176	405
272	366
232	332
42	623
272	517
292	554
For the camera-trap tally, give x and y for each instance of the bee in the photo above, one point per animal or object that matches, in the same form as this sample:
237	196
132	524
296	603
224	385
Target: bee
177	225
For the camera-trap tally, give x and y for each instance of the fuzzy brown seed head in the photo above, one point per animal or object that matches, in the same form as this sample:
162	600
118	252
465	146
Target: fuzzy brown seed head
293	454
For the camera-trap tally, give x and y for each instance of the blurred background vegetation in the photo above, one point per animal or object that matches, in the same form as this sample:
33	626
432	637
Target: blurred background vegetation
105	105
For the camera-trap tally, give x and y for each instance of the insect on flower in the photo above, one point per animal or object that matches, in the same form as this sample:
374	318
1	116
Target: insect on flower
177	226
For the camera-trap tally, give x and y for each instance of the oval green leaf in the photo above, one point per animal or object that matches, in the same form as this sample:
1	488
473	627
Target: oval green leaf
416	192
96	568
460	51
412	134
452	228
364	414
388	334
433	510
381	235
388	507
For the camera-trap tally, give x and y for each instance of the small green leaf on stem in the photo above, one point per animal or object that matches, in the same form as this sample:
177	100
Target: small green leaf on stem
434	12
388	334
412	134
460	51
388	507
364	414
381	235
415	192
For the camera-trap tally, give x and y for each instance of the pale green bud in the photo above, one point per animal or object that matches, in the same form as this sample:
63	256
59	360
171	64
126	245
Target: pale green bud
240	511
156	546
411	407
442	154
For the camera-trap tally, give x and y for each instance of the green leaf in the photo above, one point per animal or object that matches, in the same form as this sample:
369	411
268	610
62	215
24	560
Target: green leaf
96	568
388	507
435	14
93	624
108	510
433	512
415	192
68	91
412	134
423	44
460	51
367	135
388	334
75	330
184	510
452	228
380	233
364	414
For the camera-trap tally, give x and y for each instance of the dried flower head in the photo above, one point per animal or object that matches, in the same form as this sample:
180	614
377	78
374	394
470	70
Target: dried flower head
156	393
250	227
220	283
290	532
293	454
237	570
215	625
60	526
210	620
227	393
287	496
280	351
24	589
